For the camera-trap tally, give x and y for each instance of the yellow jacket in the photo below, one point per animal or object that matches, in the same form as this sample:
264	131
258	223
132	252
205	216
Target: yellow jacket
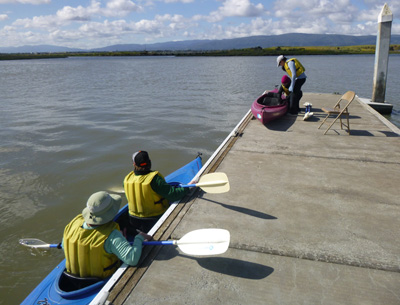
299	67
286	90
142	200
84	249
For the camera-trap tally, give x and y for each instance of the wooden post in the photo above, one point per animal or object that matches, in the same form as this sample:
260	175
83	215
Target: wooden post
382	55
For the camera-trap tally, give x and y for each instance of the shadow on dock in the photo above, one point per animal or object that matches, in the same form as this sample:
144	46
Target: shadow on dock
236	267
223	265
243	210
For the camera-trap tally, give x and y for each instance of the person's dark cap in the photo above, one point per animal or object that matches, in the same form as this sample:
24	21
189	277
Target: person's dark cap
141	158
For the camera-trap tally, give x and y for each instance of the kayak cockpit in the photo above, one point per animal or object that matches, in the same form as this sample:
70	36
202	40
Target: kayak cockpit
271	99
70	286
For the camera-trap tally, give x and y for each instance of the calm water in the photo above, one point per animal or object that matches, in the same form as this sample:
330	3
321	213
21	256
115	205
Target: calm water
69	127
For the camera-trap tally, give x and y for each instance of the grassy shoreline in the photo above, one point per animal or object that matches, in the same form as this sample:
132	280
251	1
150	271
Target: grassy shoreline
256	51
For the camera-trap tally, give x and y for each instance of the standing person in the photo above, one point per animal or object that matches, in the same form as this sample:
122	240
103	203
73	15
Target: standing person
295	70
148	194
92	242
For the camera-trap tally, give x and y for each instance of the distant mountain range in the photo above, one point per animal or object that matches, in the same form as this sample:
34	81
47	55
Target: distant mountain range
265	41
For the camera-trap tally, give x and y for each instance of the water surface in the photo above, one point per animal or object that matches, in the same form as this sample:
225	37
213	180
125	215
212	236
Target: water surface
69	128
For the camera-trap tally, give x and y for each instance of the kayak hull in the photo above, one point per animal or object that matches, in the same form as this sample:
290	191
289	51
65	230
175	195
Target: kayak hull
267	108
50	290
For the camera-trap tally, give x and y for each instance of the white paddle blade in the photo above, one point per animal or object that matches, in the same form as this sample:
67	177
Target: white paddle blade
214	183
34	243
117	190
205	242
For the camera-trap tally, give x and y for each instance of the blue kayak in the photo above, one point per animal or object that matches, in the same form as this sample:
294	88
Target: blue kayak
61	288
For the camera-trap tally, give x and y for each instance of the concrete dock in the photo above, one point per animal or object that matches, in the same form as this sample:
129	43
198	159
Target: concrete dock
314	219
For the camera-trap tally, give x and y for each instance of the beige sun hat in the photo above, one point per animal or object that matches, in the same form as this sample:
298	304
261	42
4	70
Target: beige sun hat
101	208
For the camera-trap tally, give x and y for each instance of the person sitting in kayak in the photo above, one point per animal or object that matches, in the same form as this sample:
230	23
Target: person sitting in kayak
92	242
148	194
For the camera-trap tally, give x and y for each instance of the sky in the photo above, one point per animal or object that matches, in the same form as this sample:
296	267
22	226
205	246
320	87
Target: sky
93	23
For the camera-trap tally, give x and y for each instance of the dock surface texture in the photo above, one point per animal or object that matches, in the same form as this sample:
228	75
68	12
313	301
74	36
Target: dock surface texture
314	219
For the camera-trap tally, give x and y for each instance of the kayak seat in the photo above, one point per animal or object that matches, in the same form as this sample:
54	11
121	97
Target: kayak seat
69	282
269	100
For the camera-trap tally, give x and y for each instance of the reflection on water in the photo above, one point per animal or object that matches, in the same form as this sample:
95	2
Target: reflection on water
70	126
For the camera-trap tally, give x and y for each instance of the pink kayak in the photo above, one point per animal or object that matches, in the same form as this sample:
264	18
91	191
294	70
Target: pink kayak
267	107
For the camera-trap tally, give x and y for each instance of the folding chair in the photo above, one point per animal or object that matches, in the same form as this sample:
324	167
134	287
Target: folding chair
348	97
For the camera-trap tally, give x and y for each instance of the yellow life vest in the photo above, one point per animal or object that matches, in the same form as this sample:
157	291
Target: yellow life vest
286	90
142	200
299	67
84	249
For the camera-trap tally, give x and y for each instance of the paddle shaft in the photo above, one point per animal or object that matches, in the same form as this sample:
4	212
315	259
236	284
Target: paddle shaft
153	243
150	243
160	242
198	242
157	243
179	242
209	183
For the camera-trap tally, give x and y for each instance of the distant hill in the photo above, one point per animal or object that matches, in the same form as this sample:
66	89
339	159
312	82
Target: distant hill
292	40
265	41
39	49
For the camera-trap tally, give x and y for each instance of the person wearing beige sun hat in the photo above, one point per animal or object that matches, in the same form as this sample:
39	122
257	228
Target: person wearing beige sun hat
92	242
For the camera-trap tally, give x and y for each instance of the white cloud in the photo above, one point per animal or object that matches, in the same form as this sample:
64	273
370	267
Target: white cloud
96	23
336	10
372	13
234	8
242	8
36	2
35	22
68	13
172	18
257	26
261	26
121	8
178	1
114	8
326	16
63	17
293	16
91	34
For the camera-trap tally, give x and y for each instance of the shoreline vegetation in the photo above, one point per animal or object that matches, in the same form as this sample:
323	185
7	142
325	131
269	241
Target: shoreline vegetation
256	51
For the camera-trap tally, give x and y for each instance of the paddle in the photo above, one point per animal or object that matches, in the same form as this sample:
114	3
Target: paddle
212	183
197	242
